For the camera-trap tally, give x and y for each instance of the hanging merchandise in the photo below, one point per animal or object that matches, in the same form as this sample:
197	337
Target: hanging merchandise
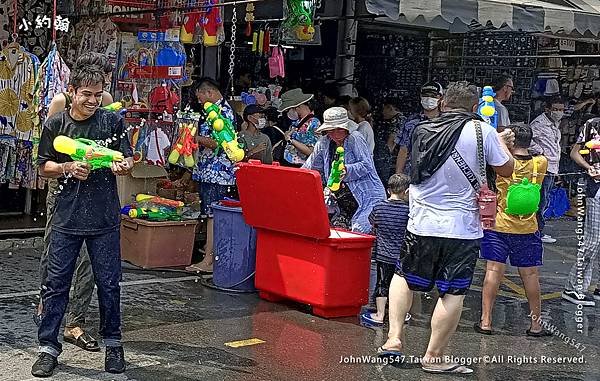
191	22
299	19
249	19
277	63
183	152
17	79
212	23
163	99
52	79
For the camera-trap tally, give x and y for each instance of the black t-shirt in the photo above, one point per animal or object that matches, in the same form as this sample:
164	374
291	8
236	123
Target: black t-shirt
85	207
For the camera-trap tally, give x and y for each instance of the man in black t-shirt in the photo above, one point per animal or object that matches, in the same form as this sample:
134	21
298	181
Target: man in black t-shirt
86	210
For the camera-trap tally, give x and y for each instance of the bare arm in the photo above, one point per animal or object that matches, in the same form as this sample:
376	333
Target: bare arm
576	156
206	142
57	105
306	150
401	159
506	170
53	170
390	143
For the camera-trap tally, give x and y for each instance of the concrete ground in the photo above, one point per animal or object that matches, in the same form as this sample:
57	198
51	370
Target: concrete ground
177	329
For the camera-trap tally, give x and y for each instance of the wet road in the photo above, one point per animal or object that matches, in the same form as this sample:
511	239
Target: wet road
177	329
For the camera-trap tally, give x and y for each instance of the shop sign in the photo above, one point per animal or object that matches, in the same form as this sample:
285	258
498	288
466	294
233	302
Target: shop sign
159	35
566	45
118	6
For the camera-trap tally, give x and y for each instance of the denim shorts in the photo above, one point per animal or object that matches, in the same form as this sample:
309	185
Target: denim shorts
523	250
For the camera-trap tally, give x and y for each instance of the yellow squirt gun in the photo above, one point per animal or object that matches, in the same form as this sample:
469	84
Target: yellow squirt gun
87	151
223	133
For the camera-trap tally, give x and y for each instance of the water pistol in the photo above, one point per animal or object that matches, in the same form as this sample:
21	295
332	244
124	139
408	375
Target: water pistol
153	214
337	167
158	200
185	146
223	133
592	145
115	107
487	108
87	151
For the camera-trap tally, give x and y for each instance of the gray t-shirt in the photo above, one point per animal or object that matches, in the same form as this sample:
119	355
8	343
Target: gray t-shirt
503	117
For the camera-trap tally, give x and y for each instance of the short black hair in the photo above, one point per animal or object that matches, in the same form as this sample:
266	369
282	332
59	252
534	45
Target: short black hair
554	101
86	76
330	91
500	81
523	135
205	83
395	102
343	101
398	183
94	59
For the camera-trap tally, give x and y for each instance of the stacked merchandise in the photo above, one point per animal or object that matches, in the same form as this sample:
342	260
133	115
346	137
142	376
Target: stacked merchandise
484	55
392	65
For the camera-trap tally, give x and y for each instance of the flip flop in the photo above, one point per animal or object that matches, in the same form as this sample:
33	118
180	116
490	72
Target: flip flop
195	269
457	369
391	354
83	341
542	333
478	329
366	319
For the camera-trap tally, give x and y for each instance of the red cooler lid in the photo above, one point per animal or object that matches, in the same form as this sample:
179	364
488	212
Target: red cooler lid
283	199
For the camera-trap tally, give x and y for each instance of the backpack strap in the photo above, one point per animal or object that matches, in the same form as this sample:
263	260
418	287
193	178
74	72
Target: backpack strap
535	171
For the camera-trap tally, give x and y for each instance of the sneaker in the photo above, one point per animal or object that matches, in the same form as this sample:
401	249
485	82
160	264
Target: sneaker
577	298
597	294
548	239
44	366
114	362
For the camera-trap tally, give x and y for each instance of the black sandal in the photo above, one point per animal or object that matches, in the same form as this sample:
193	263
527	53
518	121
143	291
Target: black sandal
478	329
83	341
542	333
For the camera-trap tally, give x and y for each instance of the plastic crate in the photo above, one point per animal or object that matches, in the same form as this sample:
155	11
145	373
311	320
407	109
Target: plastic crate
157	244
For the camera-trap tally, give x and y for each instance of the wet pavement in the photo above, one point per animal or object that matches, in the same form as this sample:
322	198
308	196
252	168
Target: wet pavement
177	329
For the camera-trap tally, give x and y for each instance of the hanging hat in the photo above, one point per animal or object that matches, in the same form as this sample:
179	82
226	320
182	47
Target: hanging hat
334	118
293	98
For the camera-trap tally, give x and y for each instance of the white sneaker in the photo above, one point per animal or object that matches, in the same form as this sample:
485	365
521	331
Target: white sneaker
548	239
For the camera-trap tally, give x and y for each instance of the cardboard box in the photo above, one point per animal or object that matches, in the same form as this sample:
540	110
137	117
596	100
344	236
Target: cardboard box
143	179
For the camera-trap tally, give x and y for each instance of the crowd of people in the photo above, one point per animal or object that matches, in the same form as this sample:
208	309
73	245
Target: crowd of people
428	229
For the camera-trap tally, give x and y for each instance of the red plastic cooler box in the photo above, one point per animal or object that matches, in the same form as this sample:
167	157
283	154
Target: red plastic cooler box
298	256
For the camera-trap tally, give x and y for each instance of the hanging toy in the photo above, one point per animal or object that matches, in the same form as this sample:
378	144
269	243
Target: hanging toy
300	19
254	42
261	41
188	27
267	42
213	24
249	19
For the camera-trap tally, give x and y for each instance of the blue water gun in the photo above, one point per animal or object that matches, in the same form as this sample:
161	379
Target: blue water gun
487	108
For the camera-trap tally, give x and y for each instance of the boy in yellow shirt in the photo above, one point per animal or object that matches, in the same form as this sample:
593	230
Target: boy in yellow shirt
515	236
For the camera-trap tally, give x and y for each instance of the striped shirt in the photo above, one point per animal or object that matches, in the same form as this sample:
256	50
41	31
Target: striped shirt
389	219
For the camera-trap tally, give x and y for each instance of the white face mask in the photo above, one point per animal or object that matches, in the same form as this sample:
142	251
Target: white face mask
292	114
429	103
557	115
262	123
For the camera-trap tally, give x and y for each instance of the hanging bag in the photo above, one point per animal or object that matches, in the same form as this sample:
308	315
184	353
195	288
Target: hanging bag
523	198
276	63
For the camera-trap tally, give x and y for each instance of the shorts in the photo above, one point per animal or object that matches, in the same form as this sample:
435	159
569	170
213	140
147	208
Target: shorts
210	193
385	273
449	263
524	250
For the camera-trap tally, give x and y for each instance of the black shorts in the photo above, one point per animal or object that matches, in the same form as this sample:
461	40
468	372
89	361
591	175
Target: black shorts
385	273
448	263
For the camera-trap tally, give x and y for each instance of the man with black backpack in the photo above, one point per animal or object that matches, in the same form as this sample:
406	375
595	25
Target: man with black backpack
444	229
580	277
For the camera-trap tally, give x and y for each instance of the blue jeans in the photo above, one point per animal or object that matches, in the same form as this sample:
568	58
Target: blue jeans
105	254
547	186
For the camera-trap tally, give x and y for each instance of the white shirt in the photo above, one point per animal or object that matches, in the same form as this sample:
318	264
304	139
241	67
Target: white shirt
546	141
156	143
367	132
445	205
503	117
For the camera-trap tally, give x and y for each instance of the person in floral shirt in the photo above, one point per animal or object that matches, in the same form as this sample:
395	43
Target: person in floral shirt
301	137
214	172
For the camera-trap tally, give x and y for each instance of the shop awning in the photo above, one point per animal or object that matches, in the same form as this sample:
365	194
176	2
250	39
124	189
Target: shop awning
579	16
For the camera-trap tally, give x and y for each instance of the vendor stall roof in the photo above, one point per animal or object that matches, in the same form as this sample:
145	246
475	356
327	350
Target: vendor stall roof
579	16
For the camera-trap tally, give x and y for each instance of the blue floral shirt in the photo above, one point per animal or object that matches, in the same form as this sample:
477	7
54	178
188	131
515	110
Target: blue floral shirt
211	168
305	134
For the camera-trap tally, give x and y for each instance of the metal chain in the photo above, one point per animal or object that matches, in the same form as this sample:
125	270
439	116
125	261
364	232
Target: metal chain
232	51
480	155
